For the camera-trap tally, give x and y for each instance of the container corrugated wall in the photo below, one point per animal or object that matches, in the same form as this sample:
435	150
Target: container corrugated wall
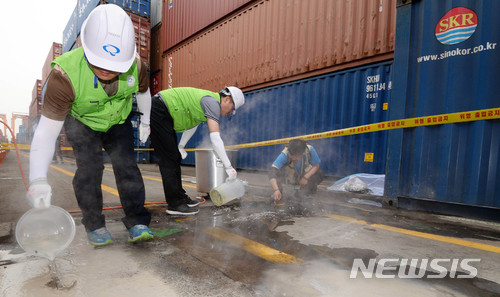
70	32
274	40
142	29
156	12
182	19
323	103
456	163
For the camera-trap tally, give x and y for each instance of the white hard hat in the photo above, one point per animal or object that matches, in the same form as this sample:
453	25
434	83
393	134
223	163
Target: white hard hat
238	97
108	38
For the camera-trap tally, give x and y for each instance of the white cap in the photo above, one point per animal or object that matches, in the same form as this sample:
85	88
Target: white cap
238	97
108	38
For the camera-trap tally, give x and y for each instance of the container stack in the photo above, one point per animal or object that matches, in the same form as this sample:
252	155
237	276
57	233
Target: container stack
156	44
35	110
54	52
22	136
327	63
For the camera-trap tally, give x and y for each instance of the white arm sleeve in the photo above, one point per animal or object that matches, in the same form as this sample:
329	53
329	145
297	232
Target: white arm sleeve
144	105
218	146
186	135
43	146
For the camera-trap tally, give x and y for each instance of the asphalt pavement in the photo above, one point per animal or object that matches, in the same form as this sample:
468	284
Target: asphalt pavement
328	244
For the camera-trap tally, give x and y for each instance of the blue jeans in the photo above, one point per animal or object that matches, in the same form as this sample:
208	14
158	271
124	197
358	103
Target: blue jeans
118	142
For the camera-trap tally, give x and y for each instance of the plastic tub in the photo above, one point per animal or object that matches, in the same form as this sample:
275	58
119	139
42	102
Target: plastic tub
227	192
45	232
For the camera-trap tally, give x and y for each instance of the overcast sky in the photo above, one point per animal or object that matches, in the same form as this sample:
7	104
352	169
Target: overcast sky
27	30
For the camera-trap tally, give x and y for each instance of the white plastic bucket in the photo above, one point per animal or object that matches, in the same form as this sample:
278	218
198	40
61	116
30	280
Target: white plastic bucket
227	192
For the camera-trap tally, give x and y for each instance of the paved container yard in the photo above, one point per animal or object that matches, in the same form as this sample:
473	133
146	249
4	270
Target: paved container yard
329	244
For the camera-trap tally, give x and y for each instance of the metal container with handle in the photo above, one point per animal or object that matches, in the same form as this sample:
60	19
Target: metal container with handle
210	171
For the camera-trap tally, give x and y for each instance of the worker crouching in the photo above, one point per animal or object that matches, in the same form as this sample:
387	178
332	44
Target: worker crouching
298	164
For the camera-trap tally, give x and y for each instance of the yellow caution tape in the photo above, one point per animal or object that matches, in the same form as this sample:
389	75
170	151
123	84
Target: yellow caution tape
440	119
468	116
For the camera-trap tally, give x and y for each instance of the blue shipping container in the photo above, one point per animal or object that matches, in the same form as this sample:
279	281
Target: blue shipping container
328	102
138	7
84	9
447	60
70	32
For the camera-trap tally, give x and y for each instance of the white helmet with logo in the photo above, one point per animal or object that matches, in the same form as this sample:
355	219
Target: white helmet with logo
238	97
108	38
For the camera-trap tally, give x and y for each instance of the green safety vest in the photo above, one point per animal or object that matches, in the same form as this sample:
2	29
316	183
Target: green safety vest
92	106
184	106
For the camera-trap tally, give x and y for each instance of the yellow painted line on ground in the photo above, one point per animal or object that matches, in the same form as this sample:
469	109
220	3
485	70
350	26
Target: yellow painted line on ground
103	187
156	179
62	170
110	189
253	247
159	180
461	242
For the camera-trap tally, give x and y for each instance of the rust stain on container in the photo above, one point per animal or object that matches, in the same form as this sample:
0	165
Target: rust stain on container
273	41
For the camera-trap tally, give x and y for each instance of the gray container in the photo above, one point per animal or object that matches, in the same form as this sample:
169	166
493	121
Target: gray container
210	171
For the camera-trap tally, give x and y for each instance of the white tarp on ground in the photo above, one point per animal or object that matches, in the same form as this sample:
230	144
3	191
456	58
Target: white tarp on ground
365	183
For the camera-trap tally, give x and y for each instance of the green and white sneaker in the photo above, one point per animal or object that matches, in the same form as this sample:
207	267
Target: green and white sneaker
100	237
139	233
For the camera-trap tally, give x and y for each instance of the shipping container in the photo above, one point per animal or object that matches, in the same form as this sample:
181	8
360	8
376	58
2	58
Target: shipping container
142	29
182	19
447	60
141	8
155	82
37	90
84	9
156	53
156	12
137	7
323	103
273	42
54	52
35	109
70	31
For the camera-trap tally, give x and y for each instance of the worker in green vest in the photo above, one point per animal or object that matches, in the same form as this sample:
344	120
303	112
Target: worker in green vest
89	90
182	110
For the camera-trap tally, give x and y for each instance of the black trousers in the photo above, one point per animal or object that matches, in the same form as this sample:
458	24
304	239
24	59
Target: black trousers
164	140
118	143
